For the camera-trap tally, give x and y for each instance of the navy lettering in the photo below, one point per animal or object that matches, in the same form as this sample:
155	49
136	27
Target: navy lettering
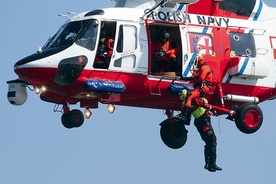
218	22
211	20
201	19
226	21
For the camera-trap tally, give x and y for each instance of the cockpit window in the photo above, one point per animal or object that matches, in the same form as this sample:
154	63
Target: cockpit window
66	35
87	38
239	7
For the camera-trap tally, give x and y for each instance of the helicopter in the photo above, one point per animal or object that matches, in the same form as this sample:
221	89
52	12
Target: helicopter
236	39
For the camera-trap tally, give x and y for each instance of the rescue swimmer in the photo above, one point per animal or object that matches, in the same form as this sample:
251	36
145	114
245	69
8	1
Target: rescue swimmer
202	77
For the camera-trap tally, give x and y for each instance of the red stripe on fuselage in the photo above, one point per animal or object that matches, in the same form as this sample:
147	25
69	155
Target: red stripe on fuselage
141	91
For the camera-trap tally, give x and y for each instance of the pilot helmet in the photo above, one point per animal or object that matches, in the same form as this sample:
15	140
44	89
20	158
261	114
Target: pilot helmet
104	32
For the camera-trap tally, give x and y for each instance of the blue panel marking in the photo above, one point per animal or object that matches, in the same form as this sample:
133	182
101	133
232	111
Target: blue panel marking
240	72
205	29
243	66
258	11
190	65
180	7
229	79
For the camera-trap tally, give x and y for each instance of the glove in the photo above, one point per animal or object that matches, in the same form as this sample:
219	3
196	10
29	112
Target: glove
160	54
211	111
163	53
186	78
102	54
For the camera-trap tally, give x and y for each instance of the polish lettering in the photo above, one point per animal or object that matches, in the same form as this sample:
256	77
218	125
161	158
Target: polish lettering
191	19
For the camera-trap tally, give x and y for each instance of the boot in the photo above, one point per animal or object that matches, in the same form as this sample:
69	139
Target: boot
185	115
207	160
213	165
210	160
213	158
208	165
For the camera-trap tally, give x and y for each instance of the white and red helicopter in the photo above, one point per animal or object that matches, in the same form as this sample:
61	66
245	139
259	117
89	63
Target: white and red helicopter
237	39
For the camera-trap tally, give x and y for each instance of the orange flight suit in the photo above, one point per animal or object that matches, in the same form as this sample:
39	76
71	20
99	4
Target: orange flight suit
170	50
203	78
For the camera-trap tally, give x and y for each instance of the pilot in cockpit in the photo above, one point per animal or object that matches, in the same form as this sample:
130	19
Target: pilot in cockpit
105	49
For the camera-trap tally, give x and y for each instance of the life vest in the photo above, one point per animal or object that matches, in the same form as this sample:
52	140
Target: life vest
199	111
196	111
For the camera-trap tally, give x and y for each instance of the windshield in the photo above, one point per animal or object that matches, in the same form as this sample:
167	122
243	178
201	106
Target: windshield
68	33
88	36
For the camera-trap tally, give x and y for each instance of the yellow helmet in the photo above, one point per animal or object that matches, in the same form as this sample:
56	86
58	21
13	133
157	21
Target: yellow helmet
199	61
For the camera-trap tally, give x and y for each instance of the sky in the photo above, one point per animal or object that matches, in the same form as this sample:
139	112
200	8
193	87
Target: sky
122	148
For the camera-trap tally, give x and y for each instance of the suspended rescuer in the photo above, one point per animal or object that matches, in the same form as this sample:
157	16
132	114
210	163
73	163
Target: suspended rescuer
202	78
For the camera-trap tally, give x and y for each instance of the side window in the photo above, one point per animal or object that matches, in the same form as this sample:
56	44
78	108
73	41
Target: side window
242	44
201	43
127	38
127	44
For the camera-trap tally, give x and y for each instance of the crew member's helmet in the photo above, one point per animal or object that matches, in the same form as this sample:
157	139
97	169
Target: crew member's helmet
104	32
199	61
163	34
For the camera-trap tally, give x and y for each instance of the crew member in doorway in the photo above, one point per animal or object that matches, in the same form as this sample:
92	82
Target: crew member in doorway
164	51
105	50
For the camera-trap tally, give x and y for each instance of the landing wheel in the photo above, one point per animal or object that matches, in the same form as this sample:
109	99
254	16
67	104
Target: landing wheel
173	132
72	119
65	122
249	118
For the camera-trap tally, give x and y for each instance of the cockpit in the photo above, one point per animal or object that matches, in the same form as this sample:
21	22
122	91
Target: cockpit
83	33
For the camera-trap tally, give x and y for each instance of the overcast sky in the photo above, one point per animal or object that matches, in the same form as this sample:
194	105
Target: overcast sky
122	148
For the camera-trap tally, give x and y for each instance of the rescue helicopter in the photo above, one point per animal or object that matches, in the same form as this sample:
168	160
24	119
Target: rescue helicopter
235	37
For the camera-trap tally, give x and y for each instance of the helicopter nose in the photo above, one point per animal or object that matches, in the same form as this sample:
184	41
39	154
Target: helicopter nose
27	71
31	61
23	64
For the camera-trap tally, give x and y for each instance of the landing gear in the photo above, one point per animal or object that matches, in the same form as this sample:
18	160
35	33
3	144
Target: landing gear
72	119
249	118
173	132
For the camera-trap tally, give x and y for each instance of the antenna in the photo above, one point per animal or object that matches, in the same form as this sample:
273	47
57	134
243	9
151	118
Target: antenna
148	11
73	13
70	13
63	15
